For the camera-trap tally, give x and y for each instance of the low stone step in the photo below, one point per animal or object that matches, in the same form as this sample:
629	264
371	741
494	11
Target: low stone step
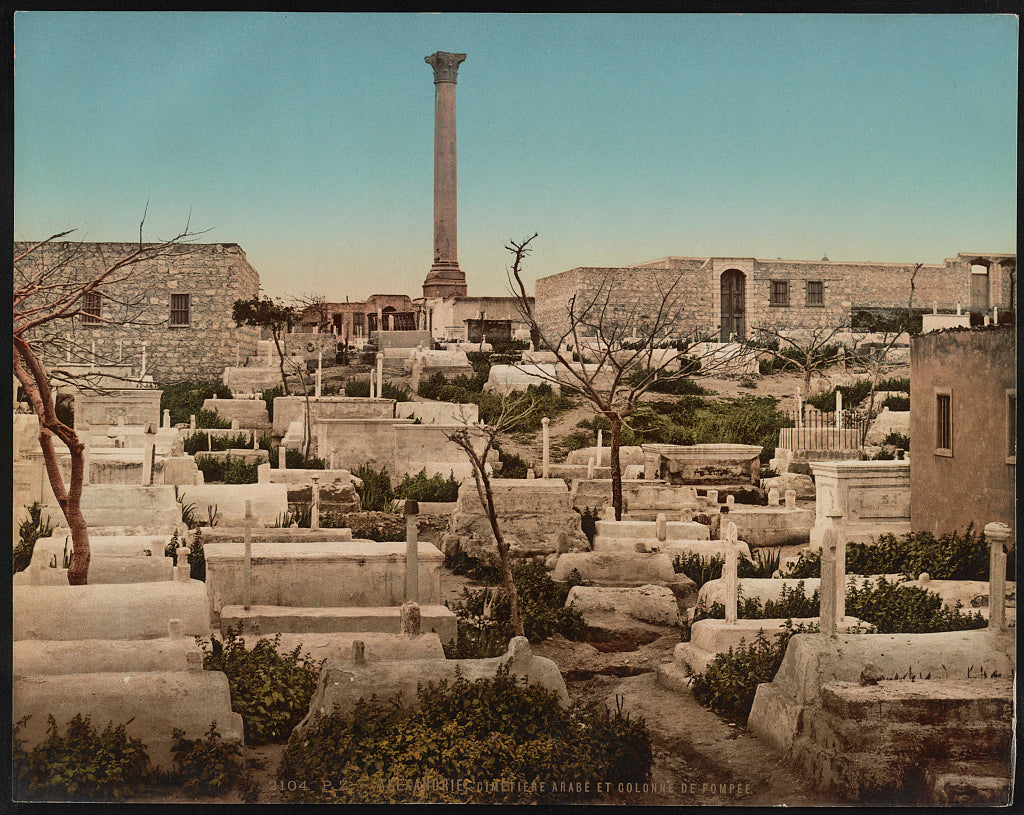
298	620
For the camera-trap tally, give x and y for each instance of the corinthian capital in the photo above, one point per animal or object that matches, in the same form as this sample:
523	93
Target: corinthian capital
445	65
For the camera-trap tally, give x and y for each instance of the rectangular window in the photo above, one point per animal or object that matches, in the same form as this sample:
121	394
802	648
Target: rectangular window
780	293
180	315
815	293
358	321
1011	427
91	305
943	423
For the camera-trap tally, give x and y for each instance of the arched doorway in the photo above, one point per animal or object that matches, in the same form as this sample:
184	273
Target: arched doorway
734	284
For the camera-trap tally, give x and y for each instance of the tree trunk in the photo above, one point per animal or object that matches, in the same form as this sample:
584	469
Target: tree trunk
506	568
616	466
280	360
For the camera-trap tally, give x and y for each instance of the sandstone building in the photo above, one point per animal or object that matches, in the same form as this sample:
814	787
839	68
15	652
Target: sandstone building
355	320
174	311
732	296
963	428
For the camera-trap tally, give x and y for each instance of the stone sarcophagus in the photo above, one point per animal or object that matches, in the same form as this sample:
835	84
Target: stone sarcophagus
703	464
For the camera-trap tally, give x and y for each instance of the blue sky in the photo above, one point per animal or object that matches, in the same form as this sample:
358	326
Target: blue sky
308	138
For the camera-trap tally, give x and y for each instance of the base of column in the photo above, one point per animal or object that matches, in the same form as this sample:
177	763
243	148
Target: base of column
445	279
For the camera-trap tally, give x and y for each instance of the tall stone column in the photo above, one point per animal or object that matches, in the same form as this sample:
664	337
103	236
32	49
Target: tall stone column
445	279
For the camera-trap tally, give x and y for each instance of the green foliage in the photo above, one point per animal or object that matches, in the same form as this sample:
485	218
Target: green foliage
484	616
512	464
898	383
185	399
361	387
204	441
667	382
268	396
269	689
81	765
421	488
898	440
375	491
209	765
728	685
897	403
953	556
589	516
196	554
211	419
487	731
265	313
31	529
853	395
376	531
295	460
796	359
464	390
232	470
906	609
64	408
302	517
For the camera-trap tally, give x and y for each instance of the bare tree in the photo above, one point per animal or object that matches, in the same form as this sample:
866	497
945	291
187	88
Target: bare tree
49	294
807	351
477	440
622	346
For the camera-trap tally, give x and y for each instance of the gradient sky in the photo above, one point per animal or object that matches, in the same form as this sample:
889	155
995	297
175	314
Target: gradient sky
308	138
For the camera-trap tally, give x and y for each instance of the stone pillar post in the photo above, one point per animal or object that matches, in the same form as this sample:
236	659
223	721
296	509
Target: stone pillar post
546	440
590	467
799	410
192	423
830	585
319	372
167	418
730	501
998	535
247	562
143	372
773	496
92	360
234	424
713	496
790	499
661	526
600	446
730	582
147	464
445	279
412	564
839	416
314	512
182	571
86	467
380	375
282	456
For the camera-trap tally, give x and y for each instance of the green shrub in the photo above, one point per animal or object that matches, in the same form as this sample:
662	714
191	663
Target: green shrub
853	395
361	387
487	731
295	460
269	689
209	765
897	403
203	441
901	384
435	488
185	399
464	390
512	464
728	685
668	382
700	569
897	440
379	532
211	419
953	556
81	765
268	396
196	554
232	470
375	491
906	609
31	529
484	616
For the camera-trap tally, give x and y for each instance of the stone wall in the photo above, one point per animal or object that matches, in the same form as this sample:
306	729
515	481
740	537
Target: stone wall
844	286
213	275
974	481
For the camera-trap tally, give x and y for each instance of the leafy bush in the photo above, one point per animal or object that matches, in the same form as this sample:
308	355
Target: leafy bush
953	556
852	395
484	616
898	383
421	488
897	440
361	387
487	731
589	516
295	460
232	470
728	685
268	396
208	766
897	403
701	569
185	399
211	419
512	464
203	441
269	689
31	529
375	491
83	764
464	390
196	554
668	382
